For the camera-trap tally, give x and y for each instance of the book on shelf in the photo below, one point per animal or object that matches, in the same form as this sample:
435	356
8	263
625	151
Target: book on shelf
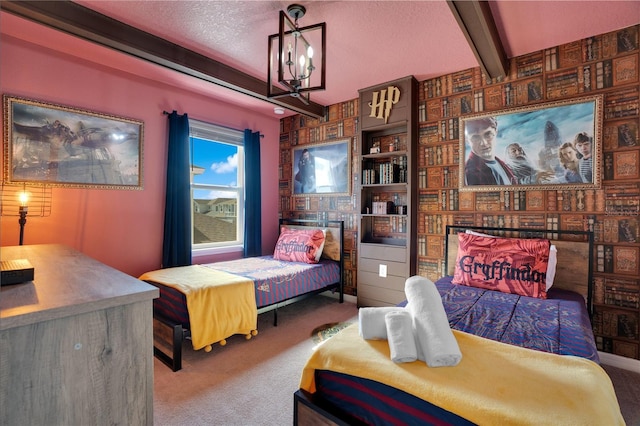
464	219
551	59
621	103
552	200
553	223
429	133
625	205
562	84
429	200
620	292
626	260
492	97
613	323
574	222
463	81
604	344
620	134
570	54
580	200
535	200
626	349
453	199
532	220
478	101
434	110
422	178
620	229
434	177
435	246
528	91
625	70
626	165
599	200
436	223
432	269
466	201
422	245
492	220
527	65
622	189
422	111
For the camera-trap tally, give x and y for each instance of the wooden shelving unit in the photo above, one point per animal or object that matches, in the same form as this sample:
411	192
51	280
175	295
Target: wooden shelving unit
387	197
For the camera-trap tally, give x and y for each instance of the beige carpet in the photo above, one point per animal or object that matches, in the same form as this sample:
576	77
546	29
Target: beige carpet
252	382
246	382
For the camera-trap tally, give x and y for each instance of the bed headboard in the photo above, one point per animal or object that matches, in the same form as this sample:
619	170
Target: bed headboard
334	241
575	254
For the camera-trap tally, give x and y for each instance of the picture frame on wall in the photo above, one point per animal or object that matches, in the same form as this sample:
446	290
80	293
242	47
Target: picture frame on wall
556	145
63	146
322	169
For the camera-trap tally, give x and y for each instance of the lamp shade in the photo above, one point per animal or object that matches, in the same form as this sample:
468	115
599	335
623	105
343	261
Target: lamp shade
36	197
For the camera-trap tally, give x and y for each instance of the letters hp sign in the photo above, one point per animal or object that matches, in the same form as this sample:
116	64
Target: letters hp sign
383	101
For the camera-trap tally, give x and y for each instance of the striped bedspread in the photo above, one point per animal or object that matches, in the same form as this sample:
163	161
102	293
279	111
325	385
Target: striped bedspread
559	324
277	280
272	281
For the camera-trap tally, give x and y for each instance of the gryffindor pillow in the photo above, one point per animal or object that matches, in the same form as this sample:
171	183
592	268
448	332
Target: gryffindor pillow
299	245
509	265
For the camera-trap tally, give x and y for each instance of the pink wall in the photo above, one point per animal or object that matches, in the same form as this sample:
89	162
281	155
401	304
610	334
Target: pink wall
121	228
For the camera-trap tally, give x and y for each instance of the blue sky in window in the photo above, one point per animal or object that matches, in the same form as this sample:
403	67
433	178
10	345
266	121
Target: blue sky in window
219	162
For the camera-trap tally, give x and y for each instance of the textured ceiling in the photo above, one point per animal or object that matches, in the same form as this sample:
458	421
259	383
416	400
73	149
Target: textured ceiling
369	42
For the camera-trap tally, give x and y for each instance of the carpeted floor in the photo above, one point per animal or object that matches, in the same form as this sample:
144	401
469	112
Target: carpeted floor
246	382
252	382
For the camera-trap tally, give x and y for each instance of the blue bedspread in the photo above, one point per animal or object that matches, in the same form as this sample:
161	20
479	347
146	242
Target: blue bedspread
559	324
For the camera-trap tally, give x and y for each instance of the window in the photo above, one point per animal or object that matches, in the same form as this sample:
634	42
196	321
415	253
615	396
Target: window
217	186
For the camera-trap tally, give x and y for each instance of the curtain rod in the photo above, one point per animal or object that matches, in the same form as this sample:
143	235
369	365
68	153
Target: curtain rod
219	125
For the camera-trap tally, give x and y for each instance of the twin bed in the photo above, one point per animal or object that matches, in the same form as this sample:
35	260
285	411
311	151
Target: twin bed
209	303
510	371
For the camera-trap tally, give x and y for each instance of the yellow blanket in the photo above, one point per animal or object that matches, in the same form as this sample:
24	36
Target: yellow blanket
220	304
495	383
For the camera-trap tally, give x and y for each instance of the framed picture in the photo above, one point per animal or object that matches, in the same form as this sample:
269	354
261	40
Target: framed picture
322	169
550	146
69	147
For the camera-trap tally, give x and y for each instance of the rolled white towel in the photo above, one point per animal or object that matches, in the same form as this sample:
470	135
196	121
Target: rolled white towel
371	322
402	341
434	337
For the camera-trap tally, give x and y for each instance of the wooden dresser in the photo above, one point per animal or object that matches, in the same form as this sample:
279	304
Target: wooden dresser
76	343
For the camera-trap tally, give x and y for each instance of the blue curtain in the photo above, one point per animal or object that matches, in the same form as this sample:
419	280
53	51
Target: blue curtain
176	245
253	199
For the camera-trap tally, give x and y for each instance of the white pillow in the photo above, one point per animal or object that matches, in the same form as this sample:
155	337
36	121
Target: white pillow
551	265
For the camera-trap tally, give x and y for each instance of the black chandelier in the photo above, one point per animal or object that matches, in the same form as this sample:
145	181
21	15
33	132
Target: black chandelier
294	57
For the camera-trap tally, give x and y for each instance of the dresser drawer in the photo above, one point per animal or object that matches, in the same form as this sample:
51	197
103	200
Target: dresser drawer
383	252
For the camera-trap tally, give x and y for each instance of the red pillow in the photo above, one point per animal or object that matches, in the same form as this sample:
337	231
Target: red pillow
299	245
509	265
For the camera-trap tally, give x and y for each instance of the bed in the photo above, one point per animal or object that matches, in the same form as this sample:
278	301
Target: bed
526	360
209	303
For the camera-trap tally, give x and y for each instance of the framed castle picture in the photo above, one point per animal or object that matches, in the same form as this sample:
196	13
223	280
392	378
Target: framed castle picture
64	146
554	145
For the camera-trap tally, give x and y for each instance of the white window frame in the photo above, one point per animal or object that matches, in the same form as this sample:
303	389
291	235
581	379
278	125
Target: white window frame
203	130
